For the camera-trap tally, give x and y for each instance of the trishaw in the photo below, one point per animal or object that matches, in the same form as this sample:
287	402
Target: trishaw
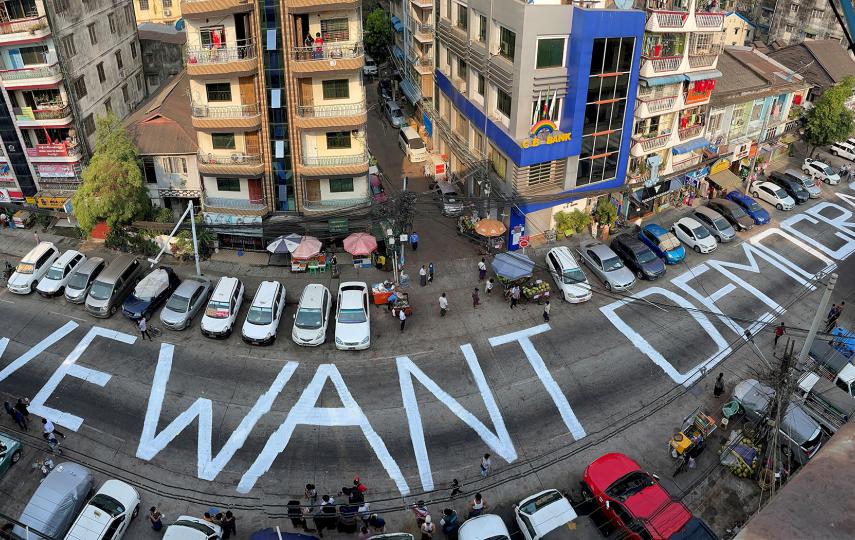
686	444
402	301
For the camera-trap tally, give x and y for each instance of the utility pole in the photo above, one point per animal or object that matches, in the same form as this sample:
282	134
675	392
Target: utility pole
195	243
814	327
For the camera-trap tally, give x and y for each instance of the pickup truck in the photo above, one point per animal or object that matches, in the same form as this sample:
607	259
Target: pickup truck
824	402
831	364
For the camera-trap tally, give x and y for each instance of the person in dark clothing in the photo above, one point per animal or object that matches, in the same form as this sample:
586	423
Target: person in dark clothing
347	522
450	523
455	487
718	389
228	525
22	406
295	514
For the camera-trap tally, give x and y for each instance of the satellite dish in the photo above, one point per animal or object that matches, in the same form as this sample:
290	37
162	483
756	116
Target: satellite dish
623	4
180	24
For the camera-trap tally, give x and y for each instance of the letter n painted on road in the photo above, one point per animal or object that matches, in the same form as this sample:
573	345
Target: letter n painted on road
500	442
306	413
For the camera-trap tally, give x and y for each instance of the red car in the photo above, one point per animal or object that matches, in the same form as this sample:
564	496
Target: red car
635	504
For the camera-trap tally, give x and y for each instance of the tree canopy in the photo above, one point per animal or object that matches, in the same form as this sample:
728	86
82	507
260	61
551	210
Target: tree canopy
829	120
378	34
113	187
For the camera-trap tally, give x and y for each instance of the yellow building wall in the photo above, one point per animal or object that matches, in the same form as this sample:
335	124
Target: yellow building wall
157	11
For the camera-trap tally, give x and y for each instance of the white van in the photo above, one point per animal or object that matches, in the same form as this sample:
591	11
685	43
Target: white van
32	268
54	281
221	313
412	145
843	149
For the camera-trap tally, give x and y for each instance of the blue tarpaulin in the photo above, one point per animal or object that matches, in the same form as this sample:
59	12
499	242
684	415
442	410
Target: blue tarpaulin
659	81
512	265
398	52
695	144
703	75
410	91
396	24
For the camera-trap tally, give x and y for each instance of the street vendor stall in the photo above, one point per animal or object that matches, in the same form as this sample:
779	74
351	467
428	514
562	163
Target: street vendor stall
402	301
380	292
307	257
689	442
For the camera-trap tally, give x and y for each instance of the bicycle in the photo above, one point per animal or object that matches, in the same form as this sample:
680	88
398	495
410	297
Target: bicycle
154	331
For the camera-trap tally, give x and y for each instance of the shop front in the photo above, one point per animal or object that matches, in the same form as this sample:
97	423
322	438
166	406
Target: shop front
655	198
722	178
235	232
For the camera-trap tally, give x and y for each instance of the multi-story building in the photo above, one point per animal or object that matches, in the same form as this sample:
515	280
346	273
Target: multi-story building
162	48
541	90
157	11
823	63
682	42
738	30
785	22
412	52
64	63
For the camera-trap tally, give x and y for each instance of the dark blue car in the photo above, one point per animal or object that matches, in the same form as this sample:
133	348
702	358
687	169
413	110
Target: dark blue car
754	210
663	243
150	293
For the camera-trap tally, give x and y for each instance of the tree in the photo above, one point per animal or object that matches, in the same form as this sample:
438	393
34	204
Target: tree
829	120
378	34
113	187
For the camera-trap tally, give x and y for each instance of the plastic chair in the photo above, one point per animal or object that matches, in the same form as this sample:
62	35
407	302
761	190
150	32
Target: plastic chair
313	267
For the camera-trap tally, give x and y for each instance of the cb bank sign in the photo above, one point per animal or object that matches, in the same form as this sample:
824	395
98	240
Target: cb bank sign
544	132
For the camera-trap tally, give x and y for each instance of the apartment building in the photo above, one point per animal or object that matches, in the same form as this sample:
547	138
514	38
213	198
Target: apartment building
64	63
786	22
738	30
682	43
412	52
543	92
157	11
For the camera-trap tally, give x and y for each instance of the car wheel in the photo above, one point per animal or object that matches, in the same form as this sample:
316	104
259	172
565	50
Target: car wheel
16	457
586	492
608	286
228	333
779	206
113	310
697	249
639	274
136	512
717	239
756	195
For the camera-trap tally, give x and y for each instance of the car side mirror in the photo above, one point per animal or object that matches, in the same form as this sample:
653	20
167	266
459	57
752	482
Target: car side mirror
655	477
607	505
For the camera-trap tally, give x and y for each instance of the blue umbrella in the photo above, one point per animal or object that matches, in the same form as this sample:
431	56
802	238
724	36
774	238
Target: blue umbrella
271	534
512	266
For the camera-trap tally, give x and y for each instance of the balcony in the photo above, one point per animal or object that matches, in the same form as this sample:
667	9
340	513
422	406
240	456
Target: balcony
306	6
684	163
709	21
424	4
225	116
328	116
59	152
690	132
355	164
241	207
423	32
663	64
235	163
58	116
24	78
24	30
212	7
328	57
240	60
668	20
329	205
650	143
704	56
650	107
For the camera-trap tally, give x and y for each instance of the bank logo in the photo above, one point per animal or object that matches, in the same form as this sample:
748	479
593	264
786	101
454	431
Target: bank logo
544	126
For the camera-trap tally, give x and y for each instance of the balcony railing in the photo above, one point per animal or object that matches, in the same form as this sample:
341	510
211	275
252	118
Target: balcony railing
709	20
30	73
53	113
54	150
233	158
665	63
671	19
660	104
701	61
330	111
222	55
225	111
685	163
652	143
336	203
235	204
332	161
792	125
31	25
425	28
327	51
690	132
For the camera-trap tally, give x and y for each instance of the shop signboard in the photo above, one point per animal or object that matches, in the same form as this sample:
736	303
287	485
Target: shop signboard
56	170
54	203
719	166
338	225
48	150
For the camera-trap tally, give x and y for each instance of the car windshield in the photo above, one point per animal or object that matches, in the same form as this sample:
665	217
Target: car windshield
178	303
700	233
737	212
217	310
808	182
24	268
781	194
629	485
309	318
397	112
828	170
77	281
721	224
259	315
533	505
645	256
416	144
55	273
100	290
573	275
107	504
351	316
611	264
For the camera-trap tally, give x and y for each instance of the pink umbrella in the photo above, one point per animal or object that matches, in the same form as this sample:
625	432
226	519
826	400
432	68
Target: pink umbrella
360	244
308	248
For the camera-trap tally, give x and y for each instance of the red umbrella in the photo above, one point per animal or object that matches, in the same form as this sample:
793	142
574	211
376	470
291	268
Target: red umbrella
308	248
360	244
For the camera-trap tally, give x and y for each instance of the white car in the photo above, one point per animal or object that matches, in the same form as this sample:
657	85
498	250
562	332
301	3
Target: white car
694	235
370	68
59	272
192	528
264	315
484	527
313	315
222	309
108	513
820	171
543	513
32	268
352	317
568	275
774	195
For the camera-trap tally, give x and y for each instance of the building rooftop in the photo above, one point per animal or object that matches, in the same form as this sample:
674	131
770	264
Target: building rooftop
749	74
162	32
743	17
162	124
823	62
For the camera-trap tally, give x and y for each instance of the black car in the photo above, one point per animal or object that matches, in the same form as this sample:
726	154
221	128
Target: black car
793	188
733	213
638	257
150	293
384	90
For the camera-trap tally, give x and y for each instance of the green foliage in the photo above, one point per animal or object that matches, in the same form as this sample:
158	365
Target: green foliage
128	241
605	212
183	247
163	215
829	120
572	222
377	34
43	219
113	187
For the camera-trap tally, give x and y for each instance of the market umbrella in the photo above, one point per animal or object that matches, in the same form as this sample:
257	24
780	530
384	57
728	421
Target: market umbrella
512	266
308	248
490	227
285	244
360	243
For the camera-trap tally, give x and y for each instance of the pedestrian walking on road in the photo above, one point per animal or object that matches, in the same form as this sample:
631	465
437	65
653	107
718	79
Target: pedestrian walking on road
22	405
155	518
488	287
228	525
831	313
48	427
515	296
450	523
546	308
143	326
414	240
830	324
427	528
16	415
485	465
423	276
456	488
53	443
36	237
3	219
482	269
403	317
443	305
377	524
430	273
718	389
780	330
311	494
476	300
420	510
477	506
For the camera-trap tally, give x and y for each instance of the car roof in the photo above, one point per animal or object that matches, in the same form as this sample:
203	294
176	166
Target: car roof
565	257
38	251
65	258
89	264
656	229
351	299
709	212
551	516
740	196
770	185
607	468
690	222
313	295
189	285
632	242
189	533
225	288
796	174
483	526
727	203
266	293
601	250
8	440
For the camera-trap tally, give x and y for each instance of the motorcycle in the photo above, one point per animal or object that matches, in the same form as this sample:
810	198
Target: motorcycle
8	270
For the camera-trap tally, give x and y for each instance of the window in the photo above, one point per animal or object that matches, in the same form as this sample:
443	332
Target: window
174	165
108	105
816	14
144	5
736	31
550	52
341	185
714	123
756	110
482	82
167	3
210	36
794	9
139	81
89	125
335	30
789	28
34	55
336	89
503	102
482	28
448	9
223	141
228	184
499	162
119	63
148	170
80	87
101	75
111	22
60	6
338	140
462	17
129	13
507	43
462	69
93	35
125	94
68	47
134	50
218	91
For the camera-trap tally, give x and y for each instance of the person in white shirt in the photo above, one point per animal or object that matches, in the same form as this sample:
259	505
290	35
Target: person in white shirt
443	305
403	317
49	428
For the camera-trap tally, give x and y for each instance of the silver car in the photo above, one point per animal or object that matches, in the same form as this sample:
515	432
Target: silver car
715	223
606	265
185	302
56	502
394	114
806	181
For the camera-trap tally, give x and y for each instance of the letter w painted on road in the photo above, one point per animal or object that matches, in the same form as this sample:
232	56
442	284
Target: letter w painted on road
151	442
500	442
